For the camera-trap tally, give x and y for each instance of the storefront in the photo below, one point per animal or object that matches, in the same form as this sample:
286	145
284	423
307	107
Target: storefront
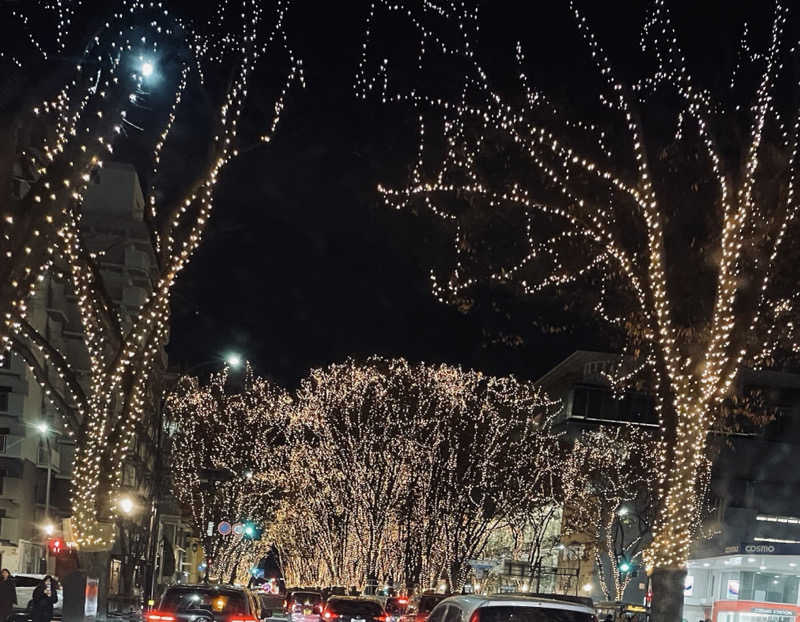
752	582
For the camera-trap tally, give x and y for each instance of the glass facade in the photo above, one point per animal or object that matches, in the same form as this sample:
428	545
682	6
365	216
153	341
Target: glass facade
768	587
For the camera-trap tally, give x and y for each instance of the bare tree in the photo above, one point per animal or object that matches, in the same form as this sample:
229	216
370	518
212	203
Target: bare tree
117	84
668	209
226	450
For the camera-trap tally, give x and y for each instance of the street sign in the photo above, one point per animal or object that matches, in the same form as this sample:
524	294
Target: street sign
224	528
210	528
482	566
238	529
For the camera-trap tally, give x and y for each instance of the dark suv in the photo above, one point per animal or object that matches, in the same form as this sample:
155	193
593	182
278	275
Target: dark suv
353	609
206	603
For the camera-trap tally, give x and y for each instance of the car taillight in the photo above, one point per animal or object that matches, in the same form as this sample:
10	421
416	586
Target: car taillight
476	616
329	615
158	616
379	618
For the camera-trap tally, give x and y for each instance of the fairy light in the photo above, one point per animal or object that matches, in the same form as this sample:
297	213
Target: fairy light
580	229
83	118
388	448
236	435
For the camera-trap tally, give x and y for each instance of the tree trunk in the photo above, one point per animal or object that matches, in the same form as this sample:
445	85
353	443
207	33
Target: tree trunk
667	585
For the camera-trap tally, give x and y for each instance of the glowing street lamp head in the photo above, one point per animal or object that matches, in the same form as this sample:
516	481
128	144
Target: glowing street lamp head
126	505
234	360
43	427
147	69
49	529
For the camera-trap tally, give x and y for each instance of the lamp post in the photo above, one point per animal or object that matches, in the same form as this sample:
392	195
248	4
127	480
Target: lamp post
44	430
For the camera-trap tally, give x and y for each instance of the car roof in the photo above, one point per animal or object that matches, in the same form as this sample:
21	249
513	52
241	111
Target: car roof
368	599
206	586
472	602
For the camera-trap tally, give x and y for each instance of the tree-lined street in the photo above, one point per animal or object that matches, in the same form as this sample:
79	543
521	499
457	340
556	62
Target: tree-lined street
495	300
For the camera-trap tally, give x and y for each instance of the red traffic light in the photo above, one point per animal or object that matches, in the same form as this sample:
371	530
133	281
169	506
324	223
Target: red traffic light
56	545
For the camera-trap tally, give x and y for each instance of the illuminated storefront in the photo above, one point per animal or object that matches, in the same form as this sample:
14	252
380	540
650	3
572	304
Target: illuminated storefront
752	582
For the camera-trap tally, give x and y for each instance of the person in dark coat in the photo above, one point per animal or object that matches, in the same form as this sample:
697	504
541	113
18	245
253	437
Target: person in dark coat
8	594
44	597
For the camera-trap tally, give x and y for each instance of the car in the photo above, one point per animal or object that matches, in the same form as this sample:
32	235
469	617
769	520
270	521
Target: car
353	609
304	606
25	584
270	605
502	608
396	607
206	603
420	607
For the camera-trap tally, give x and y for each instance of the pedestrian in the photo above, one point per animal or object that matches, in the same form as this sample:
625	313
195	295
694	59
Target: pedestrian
8	594
44	597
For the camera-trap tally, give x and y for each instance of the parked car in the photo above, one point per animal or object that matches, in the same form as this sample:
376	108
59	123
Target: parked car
271	605
510	609
26	583
353	609
304	606
206	603
420	607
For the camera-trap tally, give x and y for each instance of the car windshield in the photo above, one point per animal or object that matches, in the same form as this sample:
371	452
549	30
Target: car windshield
307	598
427	603
217	601
532	614
270	600
357	608
396	605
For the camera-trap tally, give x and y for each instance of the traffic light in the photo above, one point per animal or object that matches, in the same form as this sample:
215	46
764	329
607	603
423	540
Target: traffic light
55	545
251	531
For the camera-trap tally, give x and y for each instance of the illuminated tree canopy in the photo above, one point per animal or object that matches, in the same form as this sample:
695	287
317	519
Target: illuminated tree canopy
226	449
661	204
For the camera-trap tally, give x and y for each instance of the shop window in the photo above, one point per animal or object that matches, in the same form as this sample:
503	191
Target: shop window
769	586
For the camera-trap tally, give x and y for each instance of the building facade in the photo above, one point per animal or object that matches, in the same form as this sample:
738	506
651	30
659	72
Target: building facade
742	567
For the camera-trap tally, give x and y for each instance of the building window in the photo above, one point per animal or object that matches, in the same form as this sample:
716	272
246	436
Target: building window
2	480
42	454
4	393
114	573
128	475
3	440
5	362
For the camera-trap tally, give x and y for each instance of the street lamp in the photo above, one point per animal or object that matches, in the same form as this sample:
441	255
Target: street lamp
234	360
126	505
147	69
44	430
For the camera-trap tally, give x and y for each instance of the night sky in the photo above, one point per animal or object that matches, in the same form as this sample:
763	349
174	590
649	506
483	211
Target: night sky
303	265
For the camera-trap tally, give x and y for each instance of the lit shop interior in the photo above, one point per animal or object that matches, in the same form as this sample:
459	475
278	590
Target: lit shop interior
747	587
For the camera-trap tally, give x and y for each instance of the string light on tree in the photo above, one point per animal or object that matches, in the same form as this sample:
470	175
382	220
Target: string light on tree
98	101
600	202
